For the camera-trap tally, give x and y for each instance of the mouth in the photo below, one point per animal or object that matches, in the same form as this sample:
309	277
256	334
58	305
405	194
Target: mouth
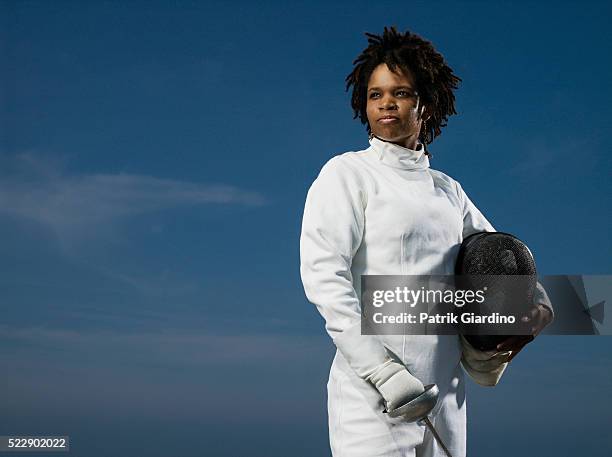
388	119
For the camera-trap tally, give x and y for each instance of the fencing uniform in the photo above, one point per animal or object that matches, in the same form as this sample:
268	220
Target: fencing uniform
383	211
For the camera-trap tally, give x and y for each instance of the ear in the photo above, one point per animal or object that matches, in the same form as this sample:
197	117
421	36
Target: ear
424	113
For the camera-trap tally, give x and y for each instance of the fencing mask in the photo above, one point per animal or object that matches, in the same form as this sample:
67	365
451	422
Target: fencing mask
486	260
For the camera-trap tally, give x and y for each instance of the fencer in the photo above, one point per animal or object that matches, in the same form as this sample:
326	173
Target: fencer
369	373
383	211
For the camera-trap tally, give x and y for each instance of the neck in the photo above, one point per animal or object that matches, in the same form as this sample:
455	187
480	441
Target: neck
409	142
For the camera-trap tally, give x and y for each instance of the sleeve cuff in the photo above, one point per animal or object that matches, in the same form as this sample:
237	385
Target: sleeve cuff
541	298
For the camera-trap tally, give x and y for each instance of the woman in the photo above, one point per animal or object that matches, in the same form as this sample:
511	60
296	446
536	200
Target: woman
383	211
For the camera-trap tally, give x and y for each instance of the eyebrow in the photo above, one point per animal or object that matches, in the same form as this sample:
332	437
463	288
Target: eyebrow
395	87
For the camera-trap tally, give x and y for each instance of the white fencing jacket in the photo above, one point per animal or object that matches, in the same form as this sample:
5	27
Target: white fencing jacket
383	211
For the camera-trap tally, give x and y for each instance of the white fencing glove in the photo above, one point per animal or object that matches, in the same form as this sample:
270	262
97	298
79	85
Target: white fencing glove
484	367
396	385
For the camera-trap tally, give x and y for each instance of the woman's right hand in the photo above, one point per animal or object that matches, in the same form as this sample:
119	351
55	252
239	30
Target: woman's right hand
396	385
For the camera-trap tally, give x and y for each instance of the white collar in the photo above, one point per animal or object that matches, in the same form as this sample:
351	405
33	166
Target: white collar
397	156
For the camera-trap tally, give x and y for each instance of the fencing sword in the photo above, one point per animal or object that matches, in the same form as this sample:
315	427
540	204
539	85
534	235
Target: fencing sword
417	410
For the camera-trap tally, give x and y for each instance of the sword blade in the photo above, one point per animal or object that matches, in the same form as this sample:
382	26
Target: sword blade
433	431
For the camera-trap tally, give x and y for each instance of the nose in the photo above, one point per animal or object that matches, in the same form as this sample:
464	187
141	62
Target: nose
388	102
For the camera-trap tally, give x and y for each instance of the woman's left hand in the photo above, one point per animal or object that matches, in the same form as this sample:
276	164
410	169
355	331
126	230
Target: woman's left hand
539	317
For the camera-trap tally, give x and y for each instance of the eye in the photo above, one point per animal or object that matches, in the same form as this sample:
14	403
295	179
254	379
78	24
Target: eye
405	93
373	94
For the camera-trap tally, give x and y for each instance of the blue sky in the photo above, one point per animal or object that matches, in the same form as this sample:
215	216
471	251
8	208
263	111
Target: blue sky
154	161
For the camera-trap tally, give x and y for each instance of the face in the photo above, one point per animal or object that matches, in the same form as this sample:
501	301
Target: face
393	108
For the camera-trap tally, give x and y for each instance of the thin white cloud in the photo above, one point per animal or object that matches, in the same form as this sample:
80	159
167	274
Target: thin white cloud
41	191
189	347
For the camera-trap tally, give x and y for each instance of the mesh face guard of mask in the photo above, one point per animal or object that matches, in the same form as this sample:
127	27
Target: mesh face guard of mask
484	259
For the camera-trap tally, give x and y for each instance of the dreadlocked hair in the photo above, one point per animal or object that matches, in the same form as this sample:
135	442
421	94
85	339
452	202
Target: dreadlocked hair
434	79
